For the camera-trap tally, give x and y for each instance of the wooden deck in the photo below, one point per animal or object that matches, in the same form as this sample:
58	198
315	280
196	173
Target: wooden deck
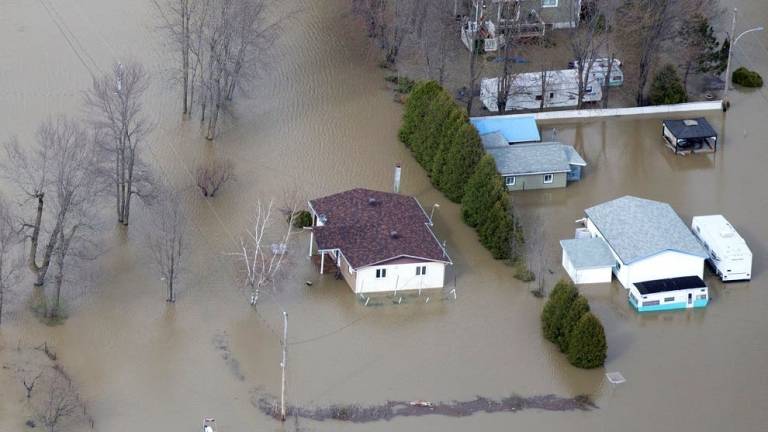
329	267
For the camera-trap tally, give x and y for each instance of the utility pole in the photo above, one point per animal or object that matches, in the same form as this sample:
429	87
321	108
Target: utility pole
283	364
733	40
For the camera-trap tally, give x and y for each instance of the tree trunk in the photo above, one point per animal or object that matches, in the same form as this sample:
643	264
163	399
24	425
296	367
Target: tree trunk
32	259
129	189
685	76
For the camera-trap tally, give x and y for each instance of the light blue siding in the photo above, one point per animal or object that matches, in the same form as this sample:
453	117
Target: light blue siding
668	306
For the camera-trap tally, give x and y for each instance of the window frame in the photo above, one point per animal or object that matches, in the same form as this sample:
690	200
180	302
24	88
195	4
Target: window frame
551	178
549	4
381	273
421	270
507	182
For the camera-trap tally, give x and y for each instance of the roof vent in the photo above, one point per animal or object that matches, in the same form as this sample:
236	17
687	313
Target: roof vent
394	235
690	122
372	201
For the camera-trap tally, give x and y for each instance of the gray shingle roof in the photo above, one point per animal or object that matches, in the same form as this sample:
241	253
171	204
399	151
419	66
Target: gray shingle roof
585	253
520	159
638	228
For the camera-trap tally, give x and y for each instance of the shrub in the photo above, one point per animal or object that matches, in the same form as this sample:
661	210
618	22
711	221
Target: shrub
572	316
301	219
523	273
553	316
747	78
667	88
587	346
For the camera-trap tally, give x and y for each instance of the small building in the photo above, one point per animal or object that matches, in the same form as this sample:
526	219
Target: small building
647	239
536	166
500	130
377	241
689	136
587	260
669	294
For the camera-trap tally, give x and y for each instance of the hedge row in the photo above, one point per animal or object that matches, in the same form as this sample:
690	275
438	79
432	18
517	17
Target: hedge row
448	147
568	323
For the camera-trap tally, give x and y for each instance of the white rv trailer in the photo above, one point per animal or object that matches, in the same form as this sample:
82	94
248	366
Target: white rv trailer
561	90
599	71
729	254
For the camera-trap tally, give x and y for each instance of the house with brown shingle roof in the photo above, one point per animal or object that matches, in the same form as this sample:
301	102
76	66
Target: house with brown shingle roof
377	241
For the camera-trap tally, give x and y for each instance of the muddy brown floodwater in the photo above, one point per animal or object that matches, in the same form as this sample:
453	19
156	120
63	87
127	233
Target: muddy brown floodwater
322	119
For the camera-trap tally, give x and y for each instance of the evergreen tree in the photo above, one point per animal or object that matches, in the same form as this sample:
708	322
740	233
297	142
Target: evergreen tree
451	128
557	307
496	232
701	53
481	193
579	307
461	161
433	127
416	109
587	346
667	87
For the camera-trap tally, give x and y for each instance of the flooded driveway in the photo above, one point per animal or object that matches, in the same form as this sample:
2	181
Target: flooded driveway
321	121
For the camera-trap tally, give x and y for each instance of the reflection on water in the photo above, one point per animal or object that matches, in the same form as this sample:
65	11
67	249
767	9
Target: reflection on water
321	119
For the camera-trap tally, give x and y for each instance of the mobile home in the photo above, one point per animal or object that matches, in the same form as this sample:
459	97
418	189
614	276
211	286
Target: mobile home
669	294
560	90
729	254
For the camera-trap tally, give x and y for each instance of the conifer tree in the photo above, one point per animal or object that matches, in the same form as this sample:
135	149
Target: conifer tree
587	347
553	315
482	191
579	307
416	109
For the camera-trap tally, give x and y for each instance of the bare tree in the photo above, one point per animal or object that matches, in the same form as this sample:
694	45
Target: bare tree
586	41
59	176
211	175
235	38
435	43
507	78
60	402
644	27
115	106
29	381
259	262
9	262
537	254
176	23
167	240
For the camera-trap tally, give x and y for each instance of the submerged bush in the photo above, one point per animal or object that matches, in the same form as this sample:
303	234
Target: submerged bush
302	218
747	78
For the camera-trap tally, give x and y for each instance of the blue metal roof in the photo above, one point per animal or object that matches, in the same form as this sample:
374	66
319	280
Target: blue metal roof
514	129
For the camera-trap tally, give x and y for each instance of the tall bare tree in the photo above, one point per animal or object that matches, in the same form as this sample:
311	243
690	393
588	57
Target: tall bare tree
436	41
167	240
59	177
116	110
586	41
259	262
10	263
176	24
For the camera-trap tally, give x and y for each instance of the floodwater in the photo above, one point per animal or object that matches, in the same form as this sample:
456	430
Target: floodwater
320	121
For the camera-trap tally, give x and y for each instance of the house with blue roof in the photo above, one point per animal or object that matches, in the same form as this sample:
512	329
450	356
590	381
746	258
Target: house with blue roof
653	254
507	129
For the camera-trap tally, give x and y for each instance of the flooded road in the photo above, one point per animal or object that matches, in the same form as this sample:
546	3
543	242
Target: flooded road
321	120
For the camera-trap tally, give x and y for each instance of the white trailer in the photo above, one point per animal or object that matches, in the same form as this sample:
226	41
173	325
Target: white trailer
560	90
599	70
729	254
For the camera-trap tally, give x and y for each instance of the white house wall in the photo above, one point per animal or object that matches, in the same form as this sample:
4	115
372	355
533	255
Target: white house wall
400	276
586	276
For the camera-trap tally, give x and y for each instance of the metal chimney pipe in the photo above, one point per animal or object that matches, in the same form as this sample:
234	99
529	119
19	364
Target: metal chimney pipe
398	170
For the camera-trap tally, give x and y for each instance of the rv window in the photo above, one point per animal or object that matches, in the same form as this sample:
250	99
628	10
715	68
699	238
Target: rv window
538	97
548	3
668	299
588	89
651	303
551	95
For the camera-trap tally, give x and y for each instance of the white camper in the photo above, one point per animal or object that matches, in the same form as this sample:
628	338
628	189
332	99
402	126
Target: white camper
729	254
560	90
599	71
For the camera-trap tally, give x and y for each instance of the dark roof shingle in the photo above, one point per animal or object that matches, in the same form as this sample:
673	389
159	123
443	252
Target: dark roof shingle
371	226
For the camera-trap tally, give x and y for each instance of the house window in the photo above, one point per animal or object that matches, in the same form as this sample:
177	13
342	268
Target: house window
421	270
381	273
548	178
668	299
651	303
548	3
510	180
702	297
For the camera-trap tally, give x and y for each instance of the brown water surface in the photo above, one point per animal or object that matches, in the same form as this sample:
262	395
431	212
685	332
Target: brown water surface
322	119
